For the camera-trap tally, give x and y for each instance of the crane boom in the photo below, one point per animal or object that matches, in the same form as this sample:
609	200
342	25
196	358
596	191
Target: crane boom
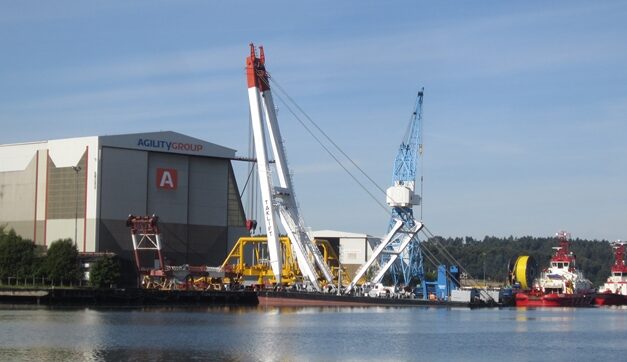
280	200
375	254
403	256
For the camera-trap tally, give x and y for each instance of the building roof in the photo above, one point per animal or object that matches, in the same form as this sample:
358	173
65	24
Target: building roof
68	151
167	141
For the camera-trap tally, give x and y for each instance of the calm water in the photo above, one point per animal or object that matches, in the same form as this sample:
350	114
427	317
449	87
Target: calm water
317	334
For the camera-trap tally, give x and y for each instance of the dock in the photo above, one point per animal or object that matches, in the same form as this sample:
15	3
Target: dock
126	297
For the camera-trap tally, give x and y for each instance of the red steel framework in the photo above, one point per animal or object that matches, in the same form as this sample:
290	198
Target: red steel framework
146	237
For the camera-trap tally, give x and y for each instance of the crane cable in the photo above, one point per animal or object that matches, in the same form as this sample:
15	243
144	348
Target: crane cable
319	141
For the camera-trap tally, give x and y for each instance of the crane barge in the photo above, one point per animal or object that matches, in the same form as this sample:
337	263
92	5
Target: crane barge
399	250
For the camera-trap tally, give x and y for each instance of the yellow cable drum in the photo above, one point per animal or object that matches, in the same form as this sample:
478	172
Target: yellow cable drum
524	271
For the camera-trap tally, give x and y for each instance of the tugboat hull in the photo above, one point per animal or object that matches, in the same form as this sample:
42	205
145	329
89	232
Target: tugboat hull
610	299
553	300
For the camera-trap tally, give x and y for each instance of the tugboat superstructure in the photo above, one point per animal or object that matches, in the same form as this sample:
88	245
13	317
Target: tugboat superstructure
614	291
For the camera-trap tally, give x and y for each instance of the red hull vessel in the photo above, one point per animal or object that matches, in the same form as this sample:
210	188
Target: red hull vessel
561	284
525	299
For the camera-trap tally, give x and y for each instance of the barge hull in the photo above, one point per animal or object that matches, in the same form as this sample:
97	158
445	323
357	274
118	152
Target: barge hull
306	299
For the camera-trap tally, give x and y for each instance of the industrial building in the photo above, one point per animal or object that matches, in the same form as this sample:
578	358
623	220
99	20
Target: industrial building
85	188
353	249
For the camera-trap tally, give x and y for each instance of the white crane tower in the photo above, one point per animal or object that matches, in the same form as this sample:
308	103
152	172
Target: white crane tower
278	200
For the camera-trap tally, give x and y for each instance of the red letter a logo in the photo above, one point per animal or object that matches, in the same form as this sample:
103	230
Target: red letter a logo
166	178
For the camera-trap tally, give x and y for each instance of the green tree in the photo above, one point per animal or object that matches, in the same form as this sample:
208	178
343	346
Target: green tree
61	262
17	255
104	272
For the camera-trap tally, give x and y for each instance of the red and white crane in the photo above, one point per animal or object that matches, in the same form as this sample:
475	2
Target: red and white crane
278	200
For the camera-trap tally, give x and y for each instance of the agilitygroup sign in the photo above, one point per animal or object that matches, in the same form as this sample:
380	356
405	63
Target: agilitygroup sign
169	145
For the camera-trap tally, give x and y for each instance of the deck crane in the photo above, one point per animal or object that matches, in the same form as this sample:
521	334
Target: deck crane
278	200
401	239
401	197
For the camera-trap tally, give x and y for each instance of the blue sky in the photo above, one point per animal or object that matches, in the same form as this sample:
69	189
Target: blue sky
524	110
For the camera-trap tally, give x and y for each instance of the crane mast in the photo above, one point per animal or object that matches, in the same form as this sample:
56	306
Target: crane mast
399	251
278	200
401	197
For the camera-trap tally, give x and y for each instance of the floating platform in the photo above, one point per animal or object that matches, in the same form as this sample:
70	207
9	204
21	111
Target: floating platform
315	299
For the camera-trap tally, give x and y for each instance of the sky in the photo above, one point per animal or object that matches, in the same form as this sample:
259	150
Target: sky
524	115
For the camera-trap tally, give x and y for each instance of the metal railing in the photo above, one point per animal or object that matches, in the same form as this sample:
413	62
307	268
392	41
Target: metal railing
40	282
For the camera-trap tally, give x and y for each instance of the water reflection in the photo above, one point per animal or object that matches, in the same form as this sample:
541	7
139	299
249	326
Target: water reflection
330	333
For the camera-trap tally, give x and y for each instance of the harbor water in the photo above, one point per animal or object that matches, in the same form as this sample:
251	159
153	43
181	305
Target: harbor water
312	334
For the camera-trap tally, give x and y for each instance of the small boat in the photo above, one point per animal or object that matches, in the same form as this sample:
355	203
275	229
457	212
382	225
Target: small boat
614	291
561	284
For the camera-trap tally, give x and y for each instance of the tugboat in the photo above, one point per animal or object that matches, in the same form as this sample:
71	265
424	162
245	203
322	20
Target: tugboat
614	291
561	284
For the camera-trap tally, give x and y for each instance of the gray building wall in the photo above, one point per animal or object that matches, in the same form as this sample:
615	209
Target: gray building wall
123	179
170	205
197	222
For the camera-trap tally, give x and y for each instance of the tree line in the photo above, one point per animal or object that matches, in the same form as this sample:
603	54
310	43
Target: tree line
494	255
22	259
58	264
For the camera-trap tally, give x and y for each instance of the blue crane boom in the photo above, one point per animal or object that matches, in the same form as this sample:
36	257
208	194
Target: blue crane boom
401	197
411	147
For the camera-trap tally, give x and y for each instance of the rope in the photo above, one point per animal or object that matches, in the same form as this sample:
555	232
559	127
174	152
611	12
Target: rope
328	138
246	183
329	152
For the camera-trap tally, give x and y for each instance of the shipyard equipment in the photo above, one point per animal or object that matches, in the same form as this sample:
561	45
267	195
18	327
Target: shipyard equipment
523	271
248	262
278	200
399	251
445	283
147	248
402	197
146	236
405	238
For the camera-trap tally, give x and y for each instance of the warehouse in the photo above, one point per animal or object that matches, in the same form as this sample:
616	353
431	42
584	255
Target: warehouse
354	249
85	188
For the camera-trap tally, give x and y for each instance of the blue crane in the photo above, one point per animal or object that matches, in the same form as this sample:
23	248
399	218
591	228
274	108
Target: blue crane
401	197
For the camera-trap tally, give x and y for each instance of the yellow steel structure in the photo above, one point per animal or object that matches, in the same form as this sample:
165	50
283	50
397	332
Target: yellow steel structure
249	261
